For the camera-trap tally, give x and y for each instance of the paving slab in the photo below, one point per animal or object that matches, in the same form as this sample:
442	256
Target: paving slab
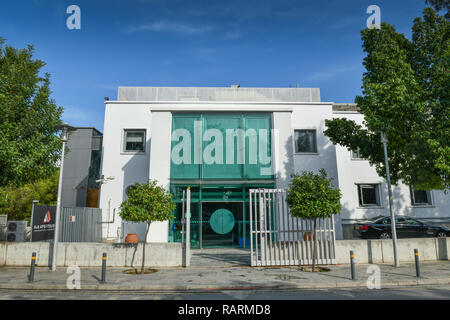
209	278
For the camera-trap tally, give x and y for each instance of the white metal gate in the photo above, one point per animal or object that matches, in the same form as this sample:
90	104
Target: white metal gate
279	239
186	227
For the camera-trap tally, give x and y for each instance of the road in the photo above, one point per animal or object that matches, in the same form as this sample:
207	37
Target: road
407	293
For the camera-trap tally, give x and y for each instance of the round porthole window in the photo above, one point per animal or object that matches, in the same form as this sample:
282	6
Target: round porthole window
222	221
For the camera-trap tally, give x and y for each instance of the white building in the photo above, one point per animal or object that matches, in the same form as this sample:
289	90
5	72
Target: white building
178	136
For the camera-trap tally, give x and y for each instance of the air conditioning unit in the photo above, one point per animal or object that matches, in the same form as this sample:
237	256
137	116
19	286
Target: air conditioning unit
3	220
3	224
16	231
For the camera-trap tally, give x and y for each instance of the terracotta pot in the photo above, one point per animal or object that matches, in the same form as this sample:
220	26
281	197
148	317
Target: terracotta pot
131	238
308	236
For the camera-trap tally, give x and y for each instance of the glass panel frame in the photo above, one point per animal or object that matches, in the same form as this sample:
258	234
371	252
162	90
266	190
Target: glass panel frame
420	197
363	193
130	146
307	137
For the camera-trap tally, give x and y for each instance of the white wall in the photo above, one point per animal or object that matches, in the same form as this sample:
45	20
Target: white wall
352	172
127	169
155	162
312	116
160	166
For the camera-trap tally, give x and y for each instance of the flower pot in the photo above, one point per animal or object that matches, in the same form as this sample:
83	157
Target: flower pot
308	236
132	238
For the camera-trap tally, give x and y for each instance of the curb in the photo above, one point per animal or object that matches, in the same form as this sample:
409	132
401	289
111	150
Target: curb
211	288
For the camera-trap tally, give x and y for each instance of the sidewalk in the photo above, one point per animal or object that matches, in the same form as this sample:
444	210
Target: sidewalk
201	278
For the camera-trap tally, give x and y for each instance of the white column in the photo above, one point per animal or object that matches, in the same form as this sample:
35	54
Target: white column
160	149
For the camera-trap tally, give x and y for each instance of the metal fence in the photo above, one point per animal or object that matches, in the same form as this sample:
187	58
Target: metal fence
80	224
277	238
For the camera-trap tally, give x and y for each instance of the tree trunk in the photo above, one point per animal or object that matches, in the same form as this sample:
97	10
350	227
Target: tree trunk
315	248
143	250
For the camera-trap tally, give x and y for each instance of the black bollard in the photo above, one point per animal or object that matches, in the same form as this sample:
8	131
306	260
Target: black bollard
103	268
33	264
416	258
352	264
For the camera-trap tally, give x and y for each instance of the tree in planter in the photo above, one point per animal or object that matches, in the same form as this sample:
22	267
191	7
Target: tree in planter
312	196
147	202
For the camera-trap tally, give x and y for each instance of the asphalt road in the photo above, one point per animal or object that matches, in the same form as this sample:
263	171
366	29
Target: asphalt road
407	293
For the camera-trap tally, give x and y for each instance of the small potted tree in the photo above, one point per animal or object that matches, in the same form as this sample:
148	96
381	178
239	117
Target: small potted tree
147	202
312	196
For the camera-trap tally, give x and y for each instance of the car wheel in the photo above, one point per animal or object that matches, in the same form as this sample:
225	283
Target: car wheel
441	234
384	235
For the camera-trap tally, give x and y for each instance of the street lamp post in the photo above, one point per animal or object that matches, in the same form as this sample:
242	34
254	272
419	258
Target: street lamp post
64	138
32	214
388	178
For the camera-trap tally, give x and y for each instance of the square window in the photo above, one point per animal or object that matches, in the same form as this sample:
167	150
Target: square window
134	141
368	195
420	197
305	141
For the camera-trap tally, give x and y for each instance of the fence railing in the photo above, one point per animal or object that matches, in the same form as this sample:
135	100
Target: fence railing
278	238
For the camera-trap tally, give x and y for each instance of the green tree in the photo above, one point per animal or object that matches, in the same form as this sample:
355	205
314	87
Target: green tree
405	94
312	196
439	5
147	202
16	202
29	146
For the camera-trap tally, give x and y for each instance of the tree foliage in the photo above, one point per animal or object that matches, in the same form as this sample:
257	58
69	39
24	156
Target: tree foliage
439	5
312	196
147	202
29	146
406	95
16	202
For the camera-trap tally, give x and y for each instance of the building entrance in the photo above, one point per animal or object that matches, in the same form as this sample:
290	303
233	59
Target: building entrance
220	156
219	216
223	224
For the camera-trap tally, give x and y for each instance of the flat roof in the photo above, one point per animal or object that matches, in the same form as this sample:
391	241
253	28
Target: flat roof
89	128
218	94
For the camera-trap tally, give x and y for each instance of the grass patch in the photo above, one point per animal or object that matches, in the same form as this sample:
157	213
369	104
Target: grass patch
317	269
138	271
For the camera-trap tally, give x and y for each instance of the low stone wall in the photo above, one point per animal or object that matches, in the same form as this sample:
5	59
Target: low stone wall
90	254
171	254
381	251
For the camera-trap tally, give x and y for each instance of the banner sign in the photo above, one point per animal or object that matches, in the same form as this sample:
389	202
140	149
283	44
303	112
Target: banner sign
43	228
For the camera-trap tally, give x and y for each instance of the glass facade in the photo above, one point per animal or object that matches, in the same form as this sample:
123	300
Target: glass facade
225	146
220	156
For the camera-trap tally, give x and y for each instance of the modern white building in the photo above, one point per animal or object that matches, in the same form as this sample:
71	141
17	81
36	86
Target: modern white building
221	142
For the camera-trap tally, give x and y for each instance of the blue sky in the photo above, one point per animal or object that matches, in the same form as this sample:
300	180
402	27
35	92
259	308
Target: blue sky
196	43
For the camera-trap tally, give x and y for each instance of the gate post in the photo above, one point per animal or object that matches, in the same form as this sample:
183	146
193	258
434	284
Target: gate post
262	222
187	244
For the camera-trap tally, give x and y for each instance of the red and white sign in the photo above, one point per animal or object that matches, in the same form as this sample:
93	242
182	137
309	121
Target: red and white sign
47	217
71	218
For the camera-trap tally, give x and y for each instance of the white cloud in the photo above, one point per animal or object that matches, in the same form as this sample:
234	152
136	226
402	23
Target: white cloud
167	26
330	74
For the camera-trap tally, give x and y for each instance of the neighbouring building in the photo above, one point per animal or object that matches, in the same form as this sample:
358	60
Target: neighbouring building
221	142
82	165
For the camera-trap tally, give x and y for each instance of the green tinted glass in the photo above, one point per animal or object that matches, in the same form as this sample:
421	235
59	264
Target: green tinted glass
221	146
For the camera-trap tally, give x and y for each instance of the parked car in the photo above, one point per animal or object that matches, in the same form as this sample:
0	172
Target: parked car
406	227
